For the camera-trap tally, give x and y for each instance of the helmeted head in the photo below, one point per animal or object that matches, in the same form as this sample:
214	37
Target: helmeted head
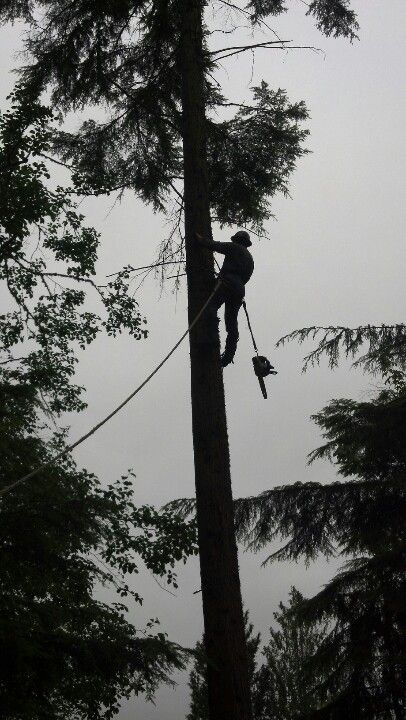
242	238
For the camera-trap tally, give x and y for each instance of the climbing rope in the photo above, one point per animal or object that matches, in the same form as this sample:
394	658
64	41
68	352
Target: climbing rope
108	417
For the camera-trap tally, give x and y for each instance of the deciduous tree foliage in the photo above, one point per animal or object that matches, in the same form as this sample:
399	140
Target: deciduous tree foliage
47	265
65	653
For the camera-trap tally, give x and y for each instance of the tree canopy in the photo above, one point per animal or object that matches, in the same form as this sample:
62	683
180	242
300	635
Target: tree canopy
125	57
362	519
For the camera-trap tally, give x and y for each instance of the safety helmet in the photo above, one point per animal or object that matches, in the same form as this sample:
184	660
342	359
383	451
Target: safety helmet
242	237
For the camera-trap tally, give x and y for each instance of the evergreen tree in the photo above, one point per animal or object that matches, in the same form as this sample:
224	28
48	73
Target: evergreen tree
281	686
150	64
363	519
359	666
199	708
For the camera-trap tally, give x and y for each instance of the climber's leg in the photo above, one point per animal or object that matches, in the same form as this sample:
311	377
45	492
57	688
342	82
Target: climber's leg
231	310
211	335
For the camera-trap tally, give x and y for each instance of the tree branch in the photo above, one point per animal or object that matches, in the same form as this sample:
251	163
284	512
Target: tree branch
248	14
248	47
273	47
145	267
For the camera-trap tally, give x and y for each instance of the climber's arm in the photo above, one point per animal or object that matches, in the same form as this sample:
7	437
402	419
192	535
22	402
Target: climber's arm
221	247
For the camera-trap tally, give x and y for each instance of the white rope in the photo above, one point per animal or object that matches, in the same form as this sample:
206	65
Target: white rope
108	417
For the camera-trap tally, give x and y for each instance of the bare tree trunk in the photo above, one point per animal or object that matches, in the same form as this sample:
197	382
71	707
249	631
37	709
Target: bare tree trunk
228	685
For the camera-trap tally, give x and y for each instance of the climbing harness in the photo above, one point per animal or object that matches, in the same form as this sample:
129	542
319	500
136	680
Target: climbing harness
108	417
262	366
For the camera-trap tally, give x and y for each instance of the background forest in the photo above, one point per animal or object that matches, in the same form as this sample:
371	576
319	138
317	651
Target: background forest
334	258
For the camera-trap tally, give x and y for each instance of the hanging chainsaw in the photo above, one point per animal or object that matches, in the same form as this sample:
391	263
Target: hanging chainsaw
262	366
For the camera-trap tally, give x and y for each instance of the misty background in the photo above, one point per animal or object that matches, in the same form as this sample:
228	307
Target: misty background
335	256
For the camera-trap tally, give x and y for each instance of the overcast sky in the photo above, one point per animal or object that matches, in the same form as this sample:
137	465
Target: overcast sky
335	256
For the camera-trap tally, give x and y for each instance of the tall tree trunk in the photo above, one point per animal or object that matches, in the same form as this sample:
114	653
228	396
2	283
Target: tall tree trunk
228	685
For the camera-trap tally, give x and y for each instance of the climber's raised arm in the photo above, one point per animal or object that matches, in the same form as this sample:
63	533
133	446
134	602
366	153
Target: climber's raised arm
221	247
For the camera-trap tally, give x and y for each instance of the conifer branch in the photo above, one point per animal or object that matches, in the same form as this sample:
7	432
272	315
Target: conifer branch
386	345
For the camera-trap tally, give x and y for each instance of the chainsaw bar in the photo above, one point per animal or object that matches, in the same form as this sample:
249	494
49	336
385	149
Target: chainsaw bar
262	386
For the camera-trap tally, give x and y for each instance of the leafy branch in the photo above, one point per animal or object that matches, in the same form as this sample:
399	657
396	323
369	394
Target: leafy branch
45	251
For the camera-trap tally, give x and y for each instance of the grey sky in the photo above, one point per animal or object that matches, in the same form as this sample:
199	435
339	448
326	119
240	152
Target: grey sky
336	256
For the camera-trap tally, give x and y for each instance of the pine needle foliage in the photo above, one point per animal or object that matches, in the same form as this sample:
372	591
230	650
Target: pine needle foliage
198	677
333	17
125	57
362	658
366	442
377	349
281	685
363	519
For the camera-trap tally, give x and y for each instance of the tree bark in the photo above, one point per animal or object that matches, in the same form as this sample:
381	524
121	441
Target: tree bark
228	684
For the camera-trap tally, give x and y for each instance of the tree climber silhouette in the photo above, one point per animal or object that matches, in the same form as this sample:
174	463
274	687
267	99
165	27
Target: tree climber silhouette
235	272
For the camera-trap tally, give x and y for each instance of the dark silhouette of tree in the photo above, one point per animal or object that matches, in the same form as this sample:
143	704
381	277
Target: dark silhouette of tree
360	663
362	519
150	63
199	707
47	264
65	653
281	685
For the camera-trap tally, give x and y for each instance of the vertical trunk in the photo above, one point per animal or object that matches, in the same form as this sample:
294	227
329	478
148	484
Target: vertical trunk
229	697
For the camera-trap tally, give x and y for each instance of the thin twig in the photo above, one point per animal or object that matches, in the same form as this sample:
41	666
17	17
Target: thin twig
10	360
162	587
57	162
145	267
274	47
248	47
248	14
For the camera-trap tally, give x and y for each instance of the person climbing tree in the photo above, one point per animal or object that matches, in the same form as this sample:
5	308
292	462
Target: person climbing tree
235	272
